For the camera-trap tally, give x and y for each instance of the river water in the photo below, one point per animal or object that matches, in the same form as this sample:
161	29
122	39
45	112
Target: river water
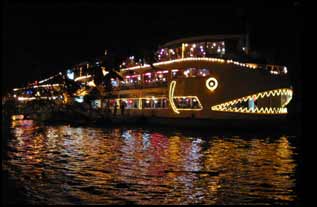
63	164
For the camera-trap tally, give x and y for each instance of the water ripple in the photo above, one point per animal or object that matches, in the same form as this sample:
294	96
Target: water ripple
83	165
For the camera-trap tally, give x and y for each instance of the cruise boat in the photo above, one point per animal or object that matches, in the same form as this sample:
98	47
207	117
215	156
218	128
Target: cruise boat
197	78
206	77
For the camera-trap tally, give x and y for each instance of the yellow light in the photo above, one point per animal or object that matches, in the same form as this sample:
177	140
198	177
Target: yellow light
91	83
140	104
211	83
171	96
33	98
82	77
227	106
104	72
252	66
195	98
171	99
26	98
65	96
17	117
46	86
81	92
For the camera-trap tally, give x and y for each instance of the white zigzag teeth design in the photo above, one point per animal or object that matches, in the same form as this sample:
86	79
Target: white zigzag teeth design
230	105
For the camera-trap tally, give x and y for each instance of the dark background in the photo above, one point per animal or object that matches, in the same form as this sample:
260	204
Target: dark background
42	39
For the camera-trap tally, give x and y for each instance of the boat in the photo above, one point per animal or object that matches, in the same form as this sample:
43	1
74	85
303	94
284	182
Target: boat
211	77
200	78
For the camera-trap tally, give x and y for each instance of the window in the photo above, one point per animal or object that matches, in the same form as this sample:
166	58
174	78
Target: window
154	103
215	48
131	103
187	103
203	72
190	73
176	73
114	83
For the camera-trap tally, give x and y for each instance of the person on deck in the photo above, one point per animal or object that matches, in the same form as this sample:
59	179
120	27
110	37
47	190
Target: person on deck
122	106
115	109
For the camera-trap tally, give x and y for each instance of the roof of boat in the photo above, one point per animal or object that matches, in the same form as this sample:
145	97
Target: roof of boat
203	38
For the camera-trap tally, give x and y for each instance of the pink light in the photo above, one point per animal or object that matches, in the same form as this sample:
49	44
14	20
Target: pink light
147	74
160	72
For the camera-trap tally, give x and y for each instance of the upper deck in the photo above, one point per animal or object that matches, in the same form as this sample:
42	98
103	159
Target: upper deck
159	73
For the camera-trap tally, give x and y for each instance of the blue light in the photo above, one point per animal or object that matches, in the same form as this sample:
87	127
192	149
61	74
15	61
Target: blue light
79	99
70	74
251	104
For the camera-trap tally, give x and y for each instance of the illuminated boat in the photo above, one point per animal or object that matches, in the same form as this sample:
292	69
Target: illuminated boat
203	78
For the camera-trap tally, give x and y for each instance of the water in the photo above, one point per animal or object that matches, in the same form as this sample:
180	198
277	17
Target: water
85	165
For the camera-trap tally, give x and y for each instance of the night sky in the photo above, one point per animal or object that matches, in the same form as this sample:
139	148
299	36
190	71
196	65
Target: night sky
42	39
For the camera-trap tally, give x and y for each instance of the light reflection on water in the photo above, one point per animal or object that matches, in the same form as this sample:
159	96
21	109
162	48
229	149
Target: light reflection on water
67	165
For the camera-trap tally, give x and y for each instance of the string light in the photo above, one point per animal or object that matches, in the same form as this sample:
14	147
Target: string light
229	106
33	98
39	86
195	99
201	59
170	96
91	83
171	100
42	81
82	77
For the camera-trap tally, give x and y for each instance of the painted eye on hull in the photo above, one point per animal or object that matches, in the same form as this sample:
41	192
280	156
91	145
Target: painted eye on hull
211	83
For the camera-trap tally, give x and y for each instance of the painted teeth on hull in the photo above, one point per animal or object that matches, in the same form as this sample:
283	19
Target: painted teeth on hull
230	105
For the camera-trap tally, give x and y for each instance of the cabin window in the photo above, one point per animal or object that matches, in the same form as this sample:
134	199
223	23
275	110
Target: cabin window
154	103
215	48
110	103
114	83
131	103
148	77
132	79
194	72
176	73
203	72
161	76
147	103
155	79
186	103
96	104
